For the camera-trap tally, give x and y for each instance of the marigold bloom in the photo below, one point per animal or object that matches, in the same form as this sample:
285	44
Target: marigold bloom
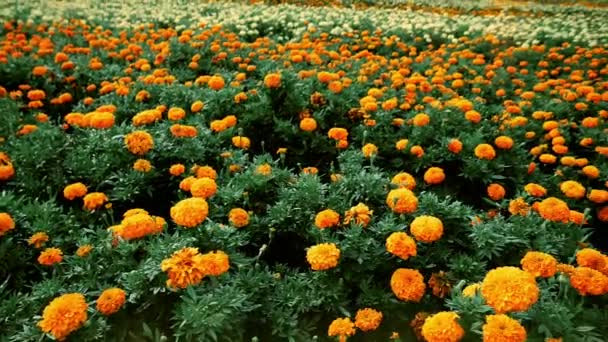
176	113
591	171
455	146
183	268
368	319
101	120
177	170
535	190
203	187
508	289
547	158
402	201
442	327
588	257
588	281
572	189
139	142
471	290
404	180
183	131
598	196
338	133
6	223
503	142
401	144
341	327
190	212
434	175
50	257
147	117
360	213
496	192
408	284
421	120
111	300
272	80
38	239
74	190
502	328
264	169
142	165
94	200
401	245
64	315
84	250
369	150
554	209
485	151
539	264
216	82
519	207
323	256
139	225
426	228
238	217
308	124
197	106
215	263
241	142
7	171
327	218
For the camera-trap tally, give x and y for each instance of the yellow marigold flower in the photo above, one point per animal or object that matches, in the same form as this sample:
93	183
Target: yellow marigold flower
369	150
471	290
205	171
327	219
368	319
190	212
426	228
401	144
38	239
111	300
323	256
401	245
135	211
142	165
402	201
74	190
84	250
572	189
589	257
95	200
535	190
341	327
218	125
176	113
547	158
203	187
404	180
508	289
539	264
6	223
519	207
588	281
64	315
310	170
147	117
282	150
264	169
360	213
184	268
272	80
442	327
215	263
554	209
485	151
238	217
177	170
434	175
499	328
241	142
50	257
139	142
408	284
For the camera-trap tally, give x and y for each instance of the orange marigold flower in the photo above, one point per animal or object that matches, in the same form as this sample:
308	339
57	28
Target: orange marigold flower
598	196
499	328
111	300
308	124
323	256
591	171
368	319
496	192
94	200
203	187
177	169
588	281
264	169
327	218
183	131
539	264
84	250
190	212
417	151
215	263
238	217
519	207
50	256
341	327
101	120
241	142
426	228
408	284
421	119
535	190
64	315
38	239
554	209
337	133
176	113
369	150
442	327
216	82
602	214
139	142
402	201
7	171
6	223
138	225
272	80
401	245
401	144
485	151
547	158
197	106
183	268
74	190
508	289
588	257
572	189
503	142
147	117
360	213
142	165
455	146
434	175
404	180
205	171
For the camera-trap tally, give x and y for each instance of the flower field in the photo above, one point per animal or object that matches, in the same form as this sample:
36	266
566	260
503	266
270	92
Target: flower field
313	171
